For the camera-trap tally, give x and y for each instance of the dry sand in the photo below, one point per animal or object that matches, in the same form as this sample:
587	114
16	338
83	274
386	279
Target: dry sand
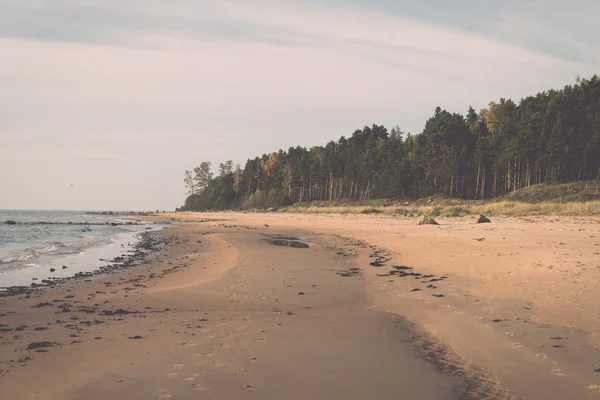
504	310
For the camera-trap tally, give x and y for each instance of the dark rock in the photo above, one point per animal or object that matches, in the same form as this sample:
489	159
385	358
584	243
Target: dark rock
40	305
10	222
119	311
64	267
52	270
39	345
136	337
427	220
300	293
483	219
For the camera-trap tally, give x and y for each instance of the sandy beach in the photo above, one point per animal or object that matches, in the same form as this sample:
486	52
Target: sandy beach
376	307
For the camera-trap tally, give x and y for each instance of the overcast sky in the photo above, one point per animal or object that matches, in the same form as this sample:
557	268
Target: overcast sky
118	98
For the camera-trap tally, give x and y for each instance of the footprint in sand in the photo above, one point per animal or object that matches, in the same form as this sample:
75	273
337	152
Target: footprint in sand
198	387
172	375
240	371
162	394
558	372
542	356
253	359
189	379
248	388
189	345
517	344
594	387
178	366
198	356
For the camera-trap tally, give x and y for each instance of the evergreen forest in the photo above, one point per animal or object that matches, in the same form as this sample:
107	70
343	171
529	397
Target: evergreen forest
551	137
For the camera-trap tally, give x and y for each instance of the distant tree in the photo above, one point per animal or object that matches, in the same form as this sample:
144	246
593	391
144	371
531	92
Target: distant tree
237	179
190	183
202	175
226	168
271	164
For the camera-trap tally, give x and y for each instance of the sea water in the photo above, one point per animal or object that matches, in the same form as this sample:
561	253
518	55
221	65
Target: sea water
41	240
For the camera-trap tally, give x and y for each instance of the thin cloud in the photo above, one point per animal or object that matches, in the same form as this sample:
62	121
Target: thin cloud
127	95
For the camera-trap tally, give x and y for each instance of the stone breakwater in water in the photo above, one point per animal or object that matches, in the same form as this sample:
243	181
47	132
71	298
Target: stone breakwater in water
129	223
120	213
141	251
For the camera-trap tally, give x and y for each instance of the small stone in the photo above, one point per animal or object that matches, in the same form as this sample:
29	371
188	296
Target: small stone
427	220
483	219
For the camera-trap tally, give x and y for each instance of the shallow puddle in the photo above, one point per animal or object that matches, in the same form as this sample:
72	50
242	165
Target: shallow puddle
288	241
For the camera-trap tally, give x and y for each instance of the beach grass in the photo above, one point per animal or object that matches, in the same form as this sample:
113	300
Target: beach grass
499	208
567	199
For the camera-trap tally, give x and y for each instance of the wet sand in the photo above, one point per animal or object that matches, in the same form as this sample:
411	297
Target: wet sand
376	307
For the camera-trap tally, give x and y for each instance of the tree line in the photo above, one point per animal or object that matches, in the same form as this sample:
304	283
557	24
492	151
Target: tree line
551	137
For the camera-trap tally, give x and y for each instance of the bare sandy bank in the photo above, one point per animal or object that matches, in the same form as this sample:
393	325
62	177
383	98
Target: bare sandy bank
222	313
523	293
375	308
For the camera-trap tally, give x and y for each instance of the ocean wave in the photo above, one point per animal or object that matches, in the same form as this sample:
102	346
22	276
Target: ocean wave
23	257
30	244
46	249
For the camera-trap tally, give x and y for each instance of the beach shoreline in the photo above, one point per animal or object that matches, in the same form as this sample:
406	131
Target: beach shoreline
469	307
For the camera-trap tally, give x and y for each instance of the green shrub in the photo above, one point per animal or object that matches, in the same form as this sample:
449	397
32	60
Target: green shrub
370	211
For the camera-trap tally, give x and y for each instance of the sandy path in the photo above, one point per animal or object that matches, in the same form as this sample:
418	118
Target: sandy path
460	311
223	314
520	301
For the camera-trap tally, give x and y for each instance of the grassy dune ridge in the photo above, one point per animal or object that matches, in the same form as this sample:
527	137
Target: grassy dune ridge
571	199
